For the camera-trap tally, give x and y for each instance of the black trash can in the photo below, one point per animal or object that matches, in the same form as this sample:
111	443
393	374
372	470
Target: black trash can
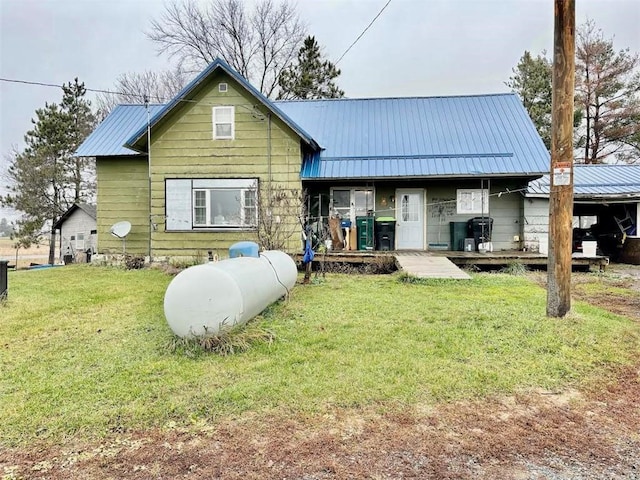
385	233
4	279
479	228
458	231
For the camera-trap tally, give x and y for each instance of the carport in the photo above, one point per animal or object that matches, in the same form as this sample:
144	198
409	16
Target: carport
606	206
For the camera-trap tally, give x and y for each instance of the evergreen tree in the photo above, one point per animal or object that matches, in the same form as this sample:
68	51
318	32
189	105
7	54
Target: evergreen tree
532	80
310	77
76	113
5	229
45	177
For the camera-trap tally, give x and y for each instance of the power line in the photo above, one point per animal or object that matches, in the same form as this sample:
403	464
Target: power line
364	31
95	90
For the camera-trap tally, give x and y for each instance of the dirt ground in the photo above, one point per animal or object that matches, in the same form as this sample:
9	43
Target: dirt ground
537	435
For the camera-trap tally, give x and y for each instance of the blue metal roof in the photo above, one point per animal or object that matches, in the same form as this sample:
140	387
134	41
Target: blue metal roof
489	135
602	181
109	137
138	138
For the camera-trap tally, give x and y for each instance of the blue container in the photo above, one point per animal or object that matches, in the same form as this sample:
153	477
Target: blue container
244	249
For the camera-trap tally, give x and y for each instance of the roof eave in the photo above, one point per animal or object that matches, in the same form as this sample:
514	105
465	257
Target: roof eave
428	177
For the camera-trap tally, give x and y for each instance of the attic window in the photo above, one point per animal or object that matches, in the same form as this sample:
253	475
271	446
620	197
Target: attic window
222	87
223	123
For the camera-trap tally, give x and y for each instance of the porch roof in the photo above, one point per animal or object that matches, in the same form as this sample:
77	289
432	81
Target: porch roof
596	181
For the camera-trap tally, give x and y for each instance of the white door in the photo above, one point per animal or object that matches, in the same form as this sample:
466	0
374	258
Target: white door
410	219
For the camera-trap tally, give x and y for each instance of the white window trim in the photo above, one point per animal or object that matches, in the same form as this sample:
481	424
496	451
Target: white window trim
222	87
244	221
215	123
180	203
472	201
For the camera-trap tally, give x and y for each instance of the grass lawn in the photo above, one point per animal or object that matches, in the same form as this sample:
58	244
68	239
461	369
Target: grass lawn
85	350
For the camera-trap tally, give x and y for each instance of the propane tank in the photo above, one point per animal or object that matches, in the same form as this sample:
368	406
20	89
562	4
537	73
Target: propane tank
204	299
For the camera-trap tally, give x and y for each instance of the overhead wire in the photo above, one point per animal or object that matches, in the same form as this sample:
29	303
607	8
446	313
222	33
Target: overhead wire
363	32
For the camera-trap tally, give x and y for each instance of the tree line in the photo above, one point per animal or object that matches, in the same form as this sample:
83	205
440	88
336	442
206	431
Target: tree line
607	97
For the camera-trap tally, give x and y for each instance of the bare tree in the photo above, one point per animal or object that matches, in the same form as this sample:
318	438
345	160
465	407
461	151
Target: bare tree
257	42
608	95
281	213
132	87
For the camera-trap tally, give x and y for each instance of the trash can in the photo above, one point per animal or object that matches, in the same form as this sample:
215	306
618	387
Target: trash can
458	231
385	233
4	279
364	227
479	228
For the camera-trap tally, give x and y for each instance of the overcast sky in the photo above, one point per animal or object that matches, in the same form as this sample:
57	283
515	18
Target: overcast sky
415	48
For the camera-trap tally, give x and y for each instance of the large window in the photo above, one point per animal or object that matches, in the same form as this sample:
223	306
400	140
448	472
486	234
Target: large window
471	201
211	203
352	202
223	123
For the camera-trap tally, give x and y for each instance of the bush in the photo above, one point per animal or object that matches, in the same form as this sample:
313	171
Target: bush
133	262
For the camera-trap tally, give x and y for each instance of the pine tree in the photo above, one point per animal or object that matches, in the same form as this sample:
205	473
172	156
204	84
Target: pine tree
77	114
310	77
45	177
532	81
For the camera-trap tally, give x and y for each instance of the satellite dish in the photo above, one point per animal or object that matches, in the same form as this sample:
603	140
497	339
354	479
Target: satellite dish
121	229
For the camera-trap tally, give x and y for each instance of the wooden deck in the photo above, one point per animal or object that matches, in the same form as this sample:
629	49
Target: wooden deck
461	259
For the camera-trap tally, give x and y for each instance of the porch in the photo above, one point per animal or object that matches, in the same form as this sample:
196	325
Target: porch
488	260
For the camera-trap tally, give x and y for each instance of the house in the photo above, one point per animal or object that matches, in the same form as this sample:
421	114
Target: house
606	204
78	232
203	171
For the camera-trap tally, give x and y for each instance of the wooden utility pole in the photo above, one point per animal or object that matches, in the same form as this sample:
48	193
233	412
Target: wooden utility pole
561	192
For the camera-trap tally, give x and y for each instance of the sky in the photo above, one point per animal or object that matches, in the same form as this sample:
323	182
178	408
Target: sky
415	47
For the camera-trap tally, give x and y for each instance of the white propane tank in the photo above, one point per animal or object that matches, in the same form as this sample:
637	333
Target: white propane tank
203	299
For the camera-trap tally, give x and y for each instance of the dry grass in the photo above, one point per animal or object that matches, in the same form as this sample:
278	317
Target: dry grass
35	254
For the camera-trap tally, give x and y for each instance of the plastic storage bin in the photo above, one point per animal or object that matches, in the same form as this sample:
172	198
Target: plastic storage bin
458	231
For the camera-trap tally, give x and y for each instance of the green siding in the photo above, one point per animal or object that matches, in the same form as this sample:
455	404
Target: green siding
123	194
183	147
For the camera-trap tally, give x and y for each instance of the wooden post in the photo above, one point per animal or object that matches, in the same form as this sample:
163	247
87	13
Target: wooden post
561	194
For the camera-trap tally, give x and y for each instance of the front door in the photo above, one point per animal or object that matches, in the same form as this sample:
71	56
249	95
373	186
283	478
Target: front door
410	219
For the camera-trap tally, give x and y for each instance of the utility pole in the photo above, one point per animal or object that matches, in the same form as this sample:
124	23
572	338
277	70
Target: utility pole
561	192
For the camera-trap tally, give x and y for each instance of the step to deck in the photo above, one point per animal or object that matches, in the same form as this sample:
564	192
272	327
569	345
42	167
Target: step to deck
427	266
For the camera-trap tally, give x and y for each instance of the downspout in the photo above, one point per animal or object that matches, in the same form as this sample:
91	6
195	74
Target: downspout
269	157
146	102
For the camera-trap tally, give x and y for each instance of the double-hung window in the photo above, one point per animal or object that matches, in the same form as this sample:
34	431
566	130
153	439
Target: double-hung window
79	241
223	207
223	123
193	204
